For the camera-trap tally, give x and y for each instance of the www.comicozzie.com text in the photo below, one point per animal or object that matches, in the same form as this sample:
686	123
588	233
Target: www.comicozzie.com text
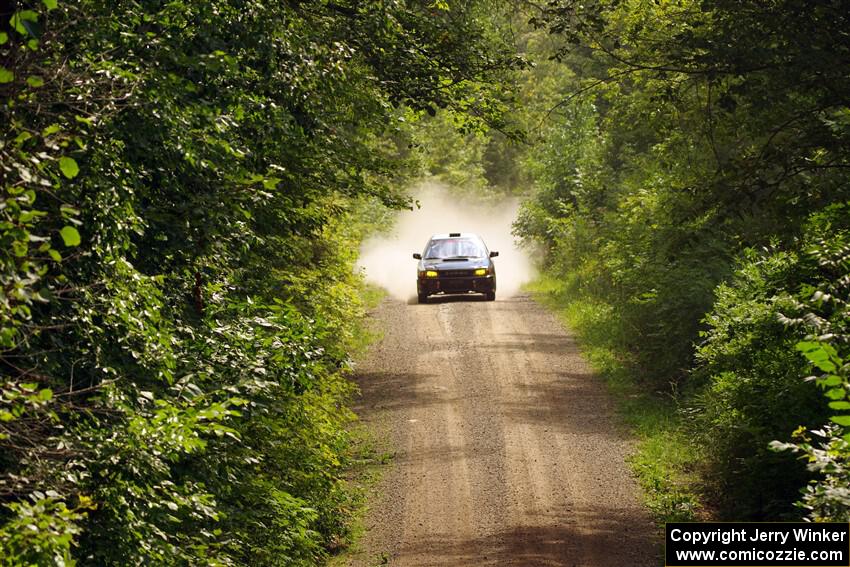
727	536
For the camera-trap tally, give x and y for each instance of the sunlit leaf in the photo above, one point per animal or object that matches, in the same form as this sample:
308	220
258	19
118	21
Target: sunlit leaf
69	167
22	19
70	236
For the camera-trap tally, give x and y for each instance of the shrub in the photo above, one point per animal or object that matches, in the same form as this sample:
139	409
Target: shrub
749	383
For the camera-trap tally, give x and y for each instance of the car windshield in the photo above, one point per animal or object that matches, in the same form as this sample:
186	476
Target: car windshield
455	248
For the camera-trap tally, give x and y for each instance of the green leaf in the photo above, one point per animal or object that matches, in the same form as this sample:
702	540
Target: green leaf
4	37
841	419
69	167
7	336
55	255
70	236
831	380
35	81
271	183
68	211
51	4
19	20
836	393
819	354
45	395
839	405
28	216
19	249
6	76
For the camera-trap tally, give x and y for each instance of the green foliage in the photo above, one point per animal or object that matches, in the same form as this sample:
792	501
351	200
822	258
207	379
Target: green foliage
41	531
821	310
180	209
752	392
69	167
679	137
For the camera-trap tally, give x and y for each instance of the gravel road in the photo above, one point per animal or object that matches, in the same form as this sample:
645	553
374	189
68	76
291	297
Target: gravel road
506	451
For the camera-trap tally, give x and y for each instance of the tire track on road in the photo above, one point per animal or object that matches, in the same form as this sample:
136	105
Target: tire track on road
507	448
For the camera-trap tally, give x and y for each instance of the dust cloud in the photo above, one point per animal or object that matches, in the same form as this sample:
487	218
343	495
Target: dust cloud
387	261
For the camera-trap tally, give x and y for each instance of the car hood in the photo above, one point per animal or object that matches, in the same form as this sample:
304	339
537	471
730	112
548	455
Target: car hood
469	264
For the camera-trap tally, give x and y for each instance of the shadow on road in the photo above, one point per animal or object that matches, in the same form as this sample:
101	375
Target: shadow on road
506	451
543	343
573	538
435	299
393	391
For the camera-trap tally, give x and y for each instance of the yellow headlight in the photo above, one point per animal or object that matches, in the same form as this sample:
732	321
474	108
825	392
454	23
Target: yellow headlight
481	272
431	274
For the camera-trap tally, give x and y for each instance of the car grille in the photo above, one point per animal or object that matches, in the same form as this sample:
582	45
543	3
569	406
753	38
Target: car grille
454	285
456	273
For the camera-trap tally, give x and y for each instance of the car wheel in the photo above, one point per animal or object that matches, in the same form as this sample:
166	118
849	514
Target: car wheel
491	295
423	298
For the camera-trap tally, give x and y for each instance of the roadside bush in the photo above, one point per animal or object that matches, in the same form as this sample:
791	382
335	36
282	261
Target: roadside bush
750	390
178	199
822	312
666	159
749	379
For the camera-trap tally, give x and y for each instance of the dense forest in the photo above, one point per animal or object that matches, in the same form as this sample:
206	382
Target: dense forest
691	189
185	185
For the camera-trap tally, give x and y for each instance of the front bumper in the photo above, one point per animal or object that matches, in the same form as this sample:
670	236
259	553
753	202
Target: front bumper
477	284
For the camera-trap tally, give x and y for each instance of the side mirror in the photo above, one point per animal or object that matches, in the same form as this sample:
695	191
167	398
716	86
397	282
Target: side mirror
494	254
417	256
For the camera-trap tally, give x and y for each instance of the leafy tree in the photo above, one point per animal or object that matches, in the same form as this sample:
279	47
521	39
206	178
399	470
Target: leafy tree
180	186
684	136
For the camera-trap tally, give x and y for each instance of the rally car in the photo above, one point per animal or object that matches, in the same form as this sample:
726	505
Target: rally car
458	262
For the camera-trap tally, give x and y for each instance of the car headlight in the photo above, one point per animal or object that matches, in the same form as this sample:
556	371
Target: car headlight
431	274
481	272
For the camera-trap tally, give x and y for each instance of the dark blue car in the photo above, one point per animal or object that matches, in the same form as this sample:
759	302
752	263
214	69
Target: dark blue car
458	262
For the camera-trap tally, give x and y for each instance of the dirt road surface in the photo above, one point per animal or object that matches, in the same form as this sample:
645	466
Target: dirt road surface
506	448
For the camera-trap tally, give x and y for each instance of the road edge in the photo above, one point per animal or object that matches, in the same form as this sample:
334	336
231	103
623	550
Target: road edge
664	460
